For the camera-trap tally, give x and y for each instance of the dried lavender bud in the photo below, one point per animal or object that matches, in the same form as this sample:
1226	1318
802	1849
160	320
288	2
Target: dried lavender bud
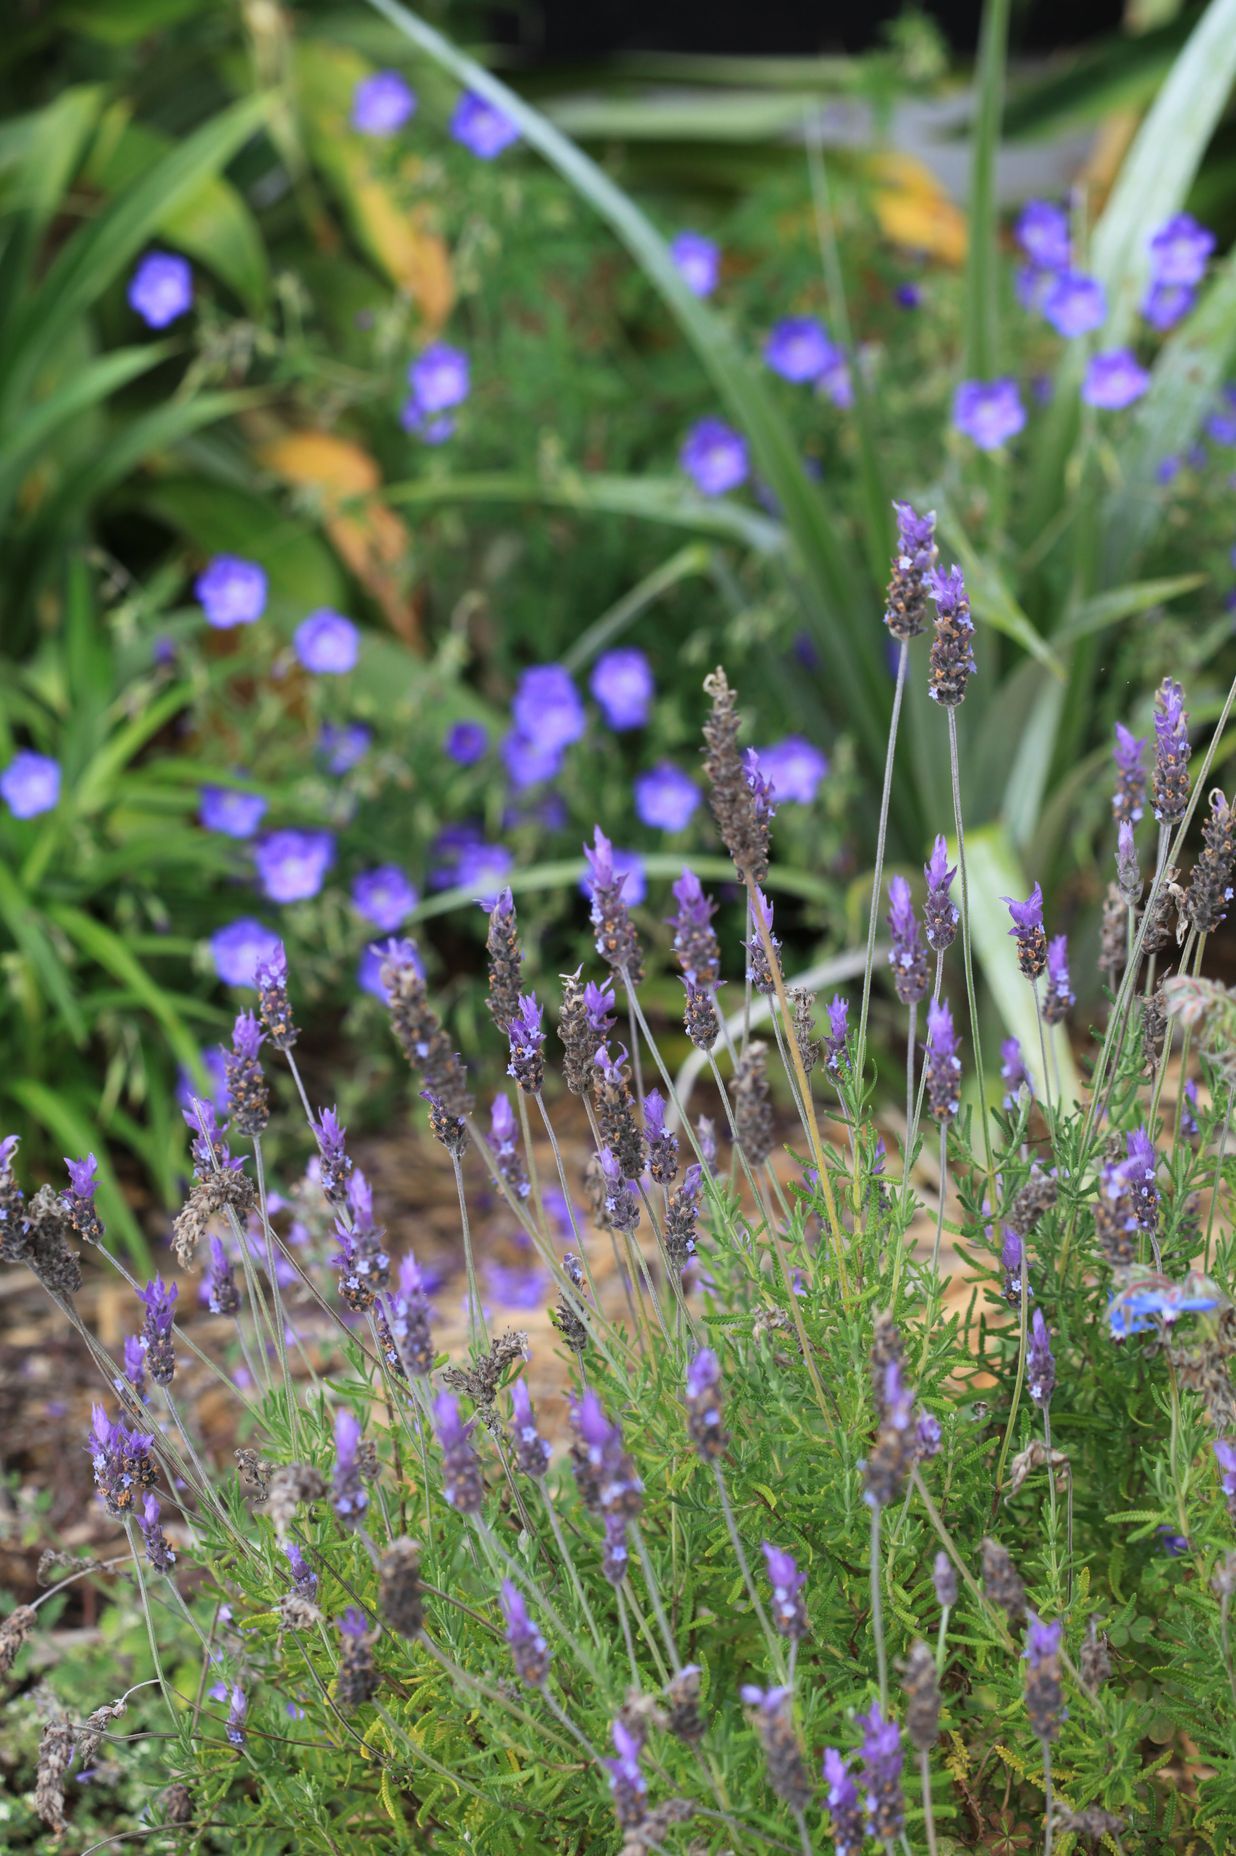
944	1579
1002	1585
703	1403
615	1109
1033	1200
1157	922
695	941
770	1715
532	1453
907	956
450	1131
683	1718
348	1496
418	1032
78	1201
291	1486
892	1455
788	1611
565	1317
55	1758
836	1052
462	1484
1059	997
16	1628
1170	786
886	1351
1113	936
940	915
802	1006
662	1142
529	1650
952	648
680	1220
298	1613
120	1458
1044	1697
505	961
48	1254
1142	1170
914	560
759	972
845	1807
1129	798
357	1681
753	1111
158	1298
14	1228
1154	1030
943	1063
274	1005
576	1037
1128	875
1028	932
409	1314
1040	1364
527	1039
735	804
1210	889
700	1014
504	1141
246	1085
922	1692
616	940
158	1548
178	1804
627	1784
92	1730
1094	1659
400	1602
229	1189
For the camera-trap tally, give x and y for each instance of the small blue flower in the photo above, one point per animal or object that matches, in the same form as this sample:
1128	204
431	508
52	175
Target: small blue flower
698	262
236	814
231	591
666	798
161	289
989	412
799	349
466	743
30	785
1114	380
622	683
292	865
1075	305
327	644
384	897
342	748
547	707
714	456
382	104
481	127
795	767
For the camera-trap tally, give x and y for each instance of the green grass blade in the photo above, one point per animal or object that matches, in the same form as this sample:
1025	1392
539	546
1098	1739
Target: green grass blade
55	138
980	333
75	1130
21	917
689	561
44	418
107	949
1125	602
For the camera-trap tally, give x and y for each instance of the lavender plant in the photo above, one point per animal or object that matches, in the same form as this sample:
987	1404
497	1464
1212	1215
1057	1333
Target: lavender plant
784	1446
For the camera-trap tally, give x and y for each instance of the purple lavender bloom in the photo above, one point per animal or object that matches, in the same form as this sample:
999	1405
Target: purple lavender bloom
547	708
527	1045
943	1063
789	1612
481	127
600	1007
906	956
698	262
376	956
927	1436
236	814
1170	789
844	1805
703	1403
989	412
161	289
836	1055
940	915
532	1453
622	683
158	1298
1013	1070
222	1295
1188	1111
466	743
121	1461
1012	1256
662	1141
799	349
1042	231
1128	801
1028	931
384	897
348	1495
1180	251
627	874
529	1650
135	1364
627	1783
231	592
30	785
1075	305
504	1140
327	644
292	865
1040	1365
343	748
236	1716
666	798
79	1199
462	1485
1059	998
1164	305
409	1314
303	1576
382	104
1114	380
1225	1452
158	1548
794	768
714	456
335	1165
881	1756
1141	1174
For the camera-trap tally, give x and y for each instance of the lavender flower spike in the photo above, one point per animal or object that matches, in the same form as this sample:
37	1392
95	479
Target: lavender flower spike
1128	874
1040	1365
943	1063
78	1201
627	1784
905	606
771	1715
123	1471
1028	932
704	1406
616	939
222	1295
952	648
1171	754
882	1756
504	1139
158	1298
159	1550
532	1453
895	1448
1129	798
348	1499
246	1085
1044	1696
529	1650
662	1141
844	1805
940	915
274	1004
1013	1070
836	1055
462	1484
789	1612
906	956
527	1037
695	940
1059	999
239	1708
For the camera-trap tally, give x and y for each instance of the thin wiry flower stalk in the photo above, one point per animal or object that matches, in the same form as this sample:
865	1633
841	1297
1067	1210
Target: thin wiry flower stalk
877	879
968	953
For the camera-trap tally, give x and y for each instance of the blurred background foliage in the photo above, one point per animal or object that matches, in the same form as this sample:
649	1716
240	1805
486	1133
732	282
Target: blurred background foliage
556	523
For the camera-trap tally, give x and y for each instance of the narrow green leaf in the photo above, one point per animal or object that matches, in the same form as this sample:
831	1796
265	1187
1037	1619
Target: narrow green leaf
1125	602
53	148
82	390
105	947
990	598
22	919
691	560
979	323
